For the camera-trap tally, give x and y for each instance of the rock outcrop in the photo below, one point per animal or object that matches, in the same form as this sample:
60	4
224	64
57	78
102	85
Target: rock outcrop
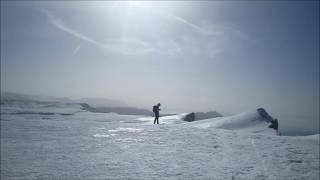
194	116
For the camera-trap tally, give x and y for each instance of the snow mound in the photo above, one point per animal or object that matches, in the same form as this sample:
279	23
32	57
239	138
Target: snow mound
250	121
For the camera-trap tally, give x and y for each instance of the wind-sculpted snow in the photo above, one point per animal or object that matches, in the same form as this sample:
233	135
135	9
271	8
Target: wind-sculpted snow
246	121
250	121
88	145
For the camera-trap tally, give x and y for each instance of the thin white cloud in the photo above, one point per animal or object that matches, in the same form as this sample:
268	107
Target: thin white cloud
207	29
199	29
123	45
210	29
62	26
135	46
196	28
129	46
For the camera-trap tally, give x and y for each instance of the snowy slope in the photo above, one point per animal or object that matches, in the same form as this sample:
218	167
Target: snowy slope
247	121
174	119
87	145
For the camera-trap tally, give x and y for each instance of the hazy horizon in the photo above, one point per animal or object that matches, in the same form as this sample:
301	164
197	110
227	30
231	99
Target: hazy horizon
190	56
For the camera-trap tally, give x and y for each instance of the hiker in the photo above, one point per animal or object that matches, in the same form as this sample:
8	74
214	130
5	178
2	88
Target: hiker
156	109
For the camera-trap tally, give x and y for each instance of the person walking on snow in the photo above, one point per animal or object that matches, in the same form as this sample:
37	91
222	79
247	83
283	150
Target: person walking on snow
156	109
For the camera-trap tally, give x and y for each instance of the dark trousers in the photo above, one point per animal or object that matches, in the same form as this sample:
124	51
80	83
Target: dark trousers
156	119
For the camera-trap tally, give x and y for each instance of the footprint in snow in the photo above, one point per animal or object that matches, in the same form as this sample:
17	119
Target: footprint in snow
295	161
216	146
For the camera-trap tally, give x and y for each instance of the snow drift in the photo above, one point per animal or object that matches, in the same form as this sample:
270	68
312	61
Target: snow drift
251	121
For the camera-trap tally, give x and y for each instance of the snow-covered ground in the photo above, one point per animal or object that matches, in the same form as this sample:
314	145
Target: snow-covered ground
66	142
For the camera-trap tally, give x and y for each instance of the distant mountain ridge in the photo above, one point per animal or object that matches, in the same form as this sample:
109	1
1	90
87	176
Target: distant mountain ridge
6	97
118	110
194	116
101	105
9	96
102	102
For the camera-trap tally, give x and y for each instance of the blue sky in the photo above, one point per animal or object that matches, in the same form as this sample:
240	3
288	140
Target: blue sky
228	56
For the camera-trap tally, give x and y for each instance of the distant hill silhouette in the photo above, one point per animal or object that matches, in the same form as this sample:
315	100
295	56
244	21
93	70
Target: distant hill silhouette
9	97
207	115
194	116
102	102
118	110
102	105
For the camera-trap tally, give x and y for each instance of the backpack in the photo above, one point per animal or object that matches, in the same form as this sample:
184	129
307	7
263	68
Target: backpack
154	109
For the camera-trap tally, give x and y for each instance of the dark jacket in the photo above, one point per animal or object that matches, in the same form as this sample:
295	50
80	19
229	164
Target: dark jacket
156	109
